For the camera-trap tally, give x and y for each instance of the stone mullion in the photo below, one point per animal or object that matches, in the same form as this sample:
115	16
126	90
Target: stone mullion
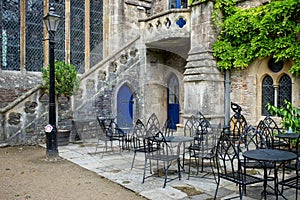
22	35
87	35
67	31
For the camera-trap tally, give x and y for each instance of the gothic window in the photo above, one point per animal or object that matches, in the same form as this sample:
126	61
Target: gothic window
284	90
267	93
96	33
77	33
275	94
60	33
10	32
34	35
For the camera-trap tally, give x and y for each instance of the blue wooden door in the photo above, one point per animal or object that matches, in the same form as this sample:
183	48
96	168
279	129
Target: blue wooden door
125	107
173	101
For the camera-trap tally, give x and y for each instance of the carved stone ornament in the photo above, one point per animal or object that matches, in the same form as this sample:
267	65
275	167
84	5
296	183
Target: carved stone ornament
30	107
14	118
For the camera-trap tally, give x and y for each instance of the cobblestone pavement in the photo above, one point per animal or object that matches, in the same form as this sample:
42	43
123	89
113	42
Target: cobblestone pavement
116	166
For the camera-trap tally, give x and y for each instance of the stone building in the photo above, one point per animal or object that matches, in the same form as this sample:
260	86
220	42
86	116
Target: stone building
134	57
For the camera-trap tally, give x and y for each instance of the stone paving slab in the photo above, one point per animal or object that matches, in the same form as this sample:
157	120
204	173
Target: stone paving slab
115	166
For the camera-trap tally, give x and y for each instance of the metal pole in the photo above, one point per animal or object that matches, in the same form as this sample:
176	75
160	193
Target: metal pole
227	98
51	137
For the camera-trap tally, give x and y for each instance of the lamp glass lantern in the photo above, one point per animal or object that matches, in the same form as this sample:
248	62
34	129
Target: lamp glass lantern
52	20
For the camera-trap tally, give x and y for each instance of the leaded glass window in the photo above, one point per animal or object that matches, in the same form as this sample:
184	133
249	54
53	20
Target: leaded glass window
96	32
267	94
60	33
34	35
10	35
77	33
285	90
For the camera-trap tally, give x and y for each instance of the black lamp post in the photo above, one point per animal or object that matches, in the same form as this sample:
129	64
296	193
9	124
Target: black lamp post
51	21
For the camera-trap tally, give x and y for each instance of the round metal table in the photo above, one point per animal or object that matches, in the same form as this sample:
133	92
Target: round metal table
270	155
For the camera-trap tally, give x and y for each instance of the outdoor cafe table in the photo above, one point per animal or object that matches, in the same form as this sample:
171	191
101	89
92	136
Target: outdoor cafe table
270	155
289	137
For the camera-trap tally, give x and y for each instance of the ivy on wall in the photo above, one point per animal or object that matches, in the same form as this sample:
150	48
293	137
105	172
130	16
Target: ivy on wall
246	34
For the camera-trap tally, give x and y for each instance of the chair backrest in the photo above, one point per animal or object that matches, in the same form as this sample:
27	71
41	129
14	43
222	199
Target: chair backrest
106	125
226	156
152	125
191	126
250	139
206	139
237	123
138	134
269	129
167	128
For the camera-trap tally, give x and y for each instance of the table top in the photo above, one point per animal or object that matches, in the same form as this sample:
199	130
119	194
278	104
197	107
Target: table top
179	139
271	155
288	135
83	120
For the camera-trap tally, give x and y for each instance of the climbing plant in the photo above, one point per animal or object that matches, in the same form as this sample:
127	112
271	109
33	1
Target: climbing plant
246	34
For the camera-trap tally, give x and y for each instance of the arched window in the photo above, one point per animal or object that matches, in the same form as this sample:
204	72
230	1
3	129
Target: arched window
285	90
276	86
267	93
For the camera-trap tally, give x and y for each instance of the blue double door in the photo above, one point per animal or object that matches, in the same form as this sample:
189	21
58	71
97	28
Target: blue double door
125	104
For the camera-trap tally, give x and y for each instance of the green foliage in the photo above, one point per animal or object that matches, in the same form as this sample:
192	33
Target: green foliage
66	80
290	115
247	34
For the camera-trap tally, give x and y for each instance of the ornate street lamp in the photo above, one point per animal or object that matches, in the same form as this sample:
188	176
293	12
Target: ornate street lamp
51	21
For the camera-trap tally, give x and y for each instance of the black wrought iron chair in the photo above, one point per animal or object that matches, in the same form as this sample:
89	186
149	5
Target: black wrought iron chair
109	132
152	126
237	123
292	181
203	147
252	139
164	155
228	166
139	140
269	129
190	129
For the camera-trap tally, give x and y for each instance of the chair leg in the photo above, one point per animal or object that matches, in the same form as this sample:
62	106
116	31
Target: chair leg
179	173
133	160
216	192
145	166
166	176
190	160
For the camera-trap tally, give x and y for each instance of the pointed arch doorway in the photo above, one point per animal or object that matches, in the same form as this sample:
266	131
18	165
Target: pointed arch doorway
125	107
173	100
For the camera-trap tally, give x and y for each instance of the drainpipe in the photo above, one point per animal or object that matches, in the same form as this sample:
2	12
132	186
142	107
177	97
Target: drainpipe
227	98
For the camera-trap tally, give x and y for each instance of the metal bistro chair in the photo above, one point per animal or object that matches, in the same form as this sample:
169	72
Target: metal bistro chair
140	141
190	129
228	166
252	139
292	181
269	130
164	154
109	132
237	122
203	147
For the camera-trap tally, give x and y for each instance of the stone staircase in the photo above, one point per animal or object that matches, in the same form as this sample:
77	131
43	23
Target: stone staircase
24	107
